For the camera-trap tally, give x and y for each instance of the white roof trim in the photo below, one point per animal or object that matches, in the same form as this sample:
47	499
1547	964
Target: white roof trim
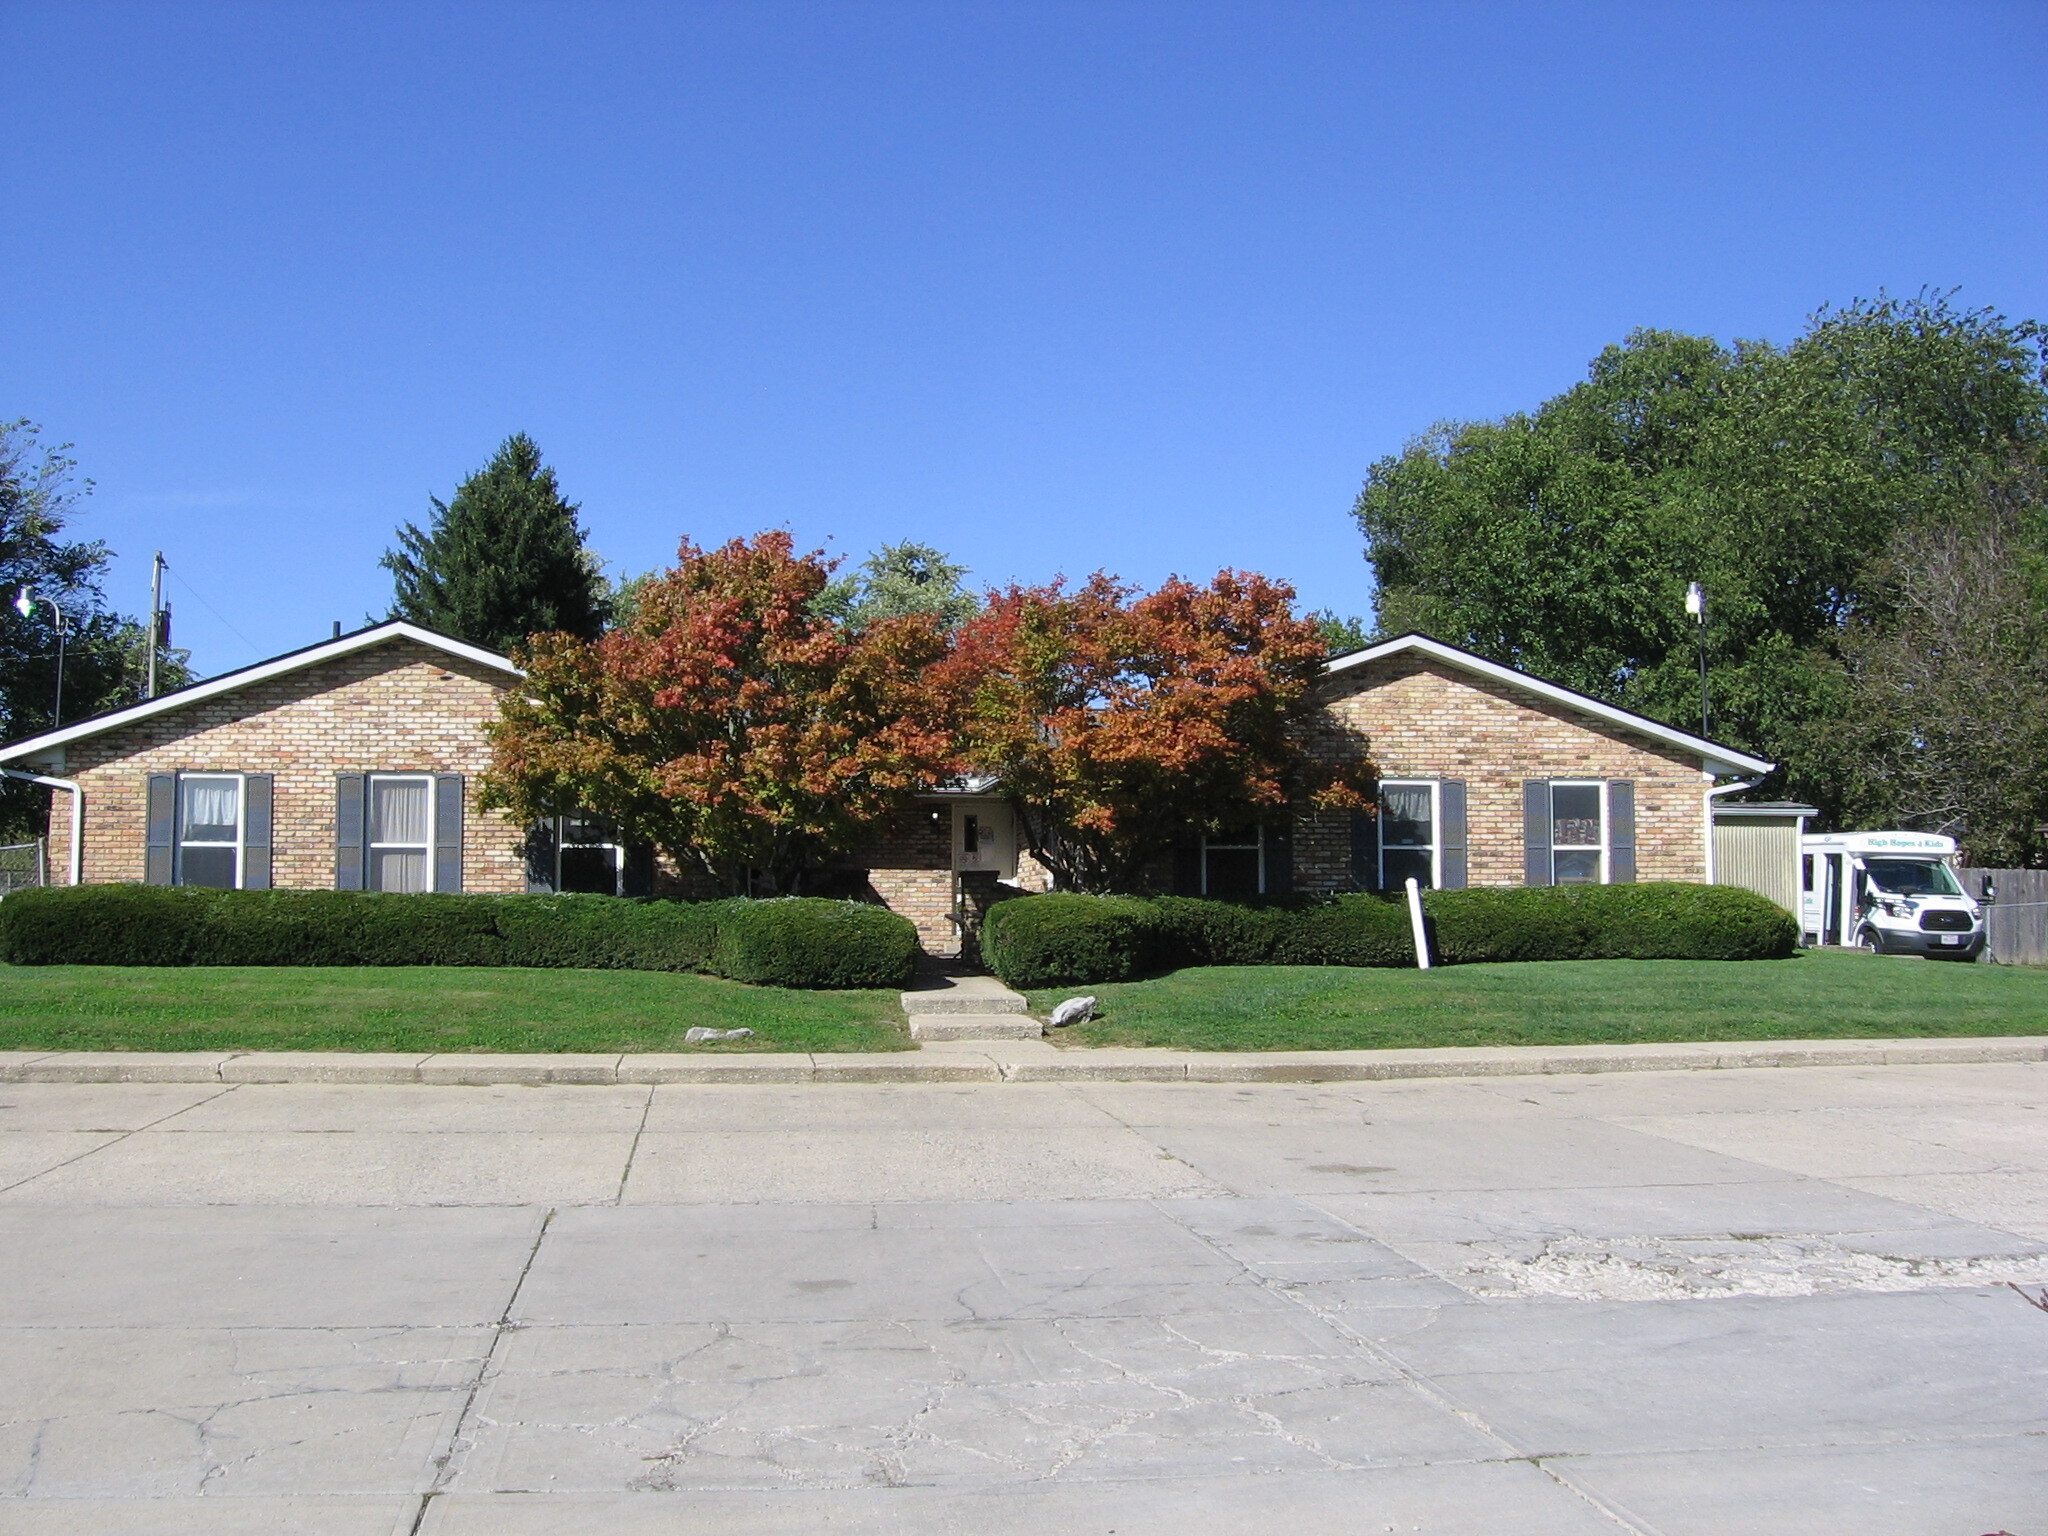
1714	757
277	666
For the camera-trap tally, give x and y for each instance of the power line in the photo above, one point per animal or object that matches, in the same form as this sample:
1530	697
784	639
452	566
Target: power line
200	598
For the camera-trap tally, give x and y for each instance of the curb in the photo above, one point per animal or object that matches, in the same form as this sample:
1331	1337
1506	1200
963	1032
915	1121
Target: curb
996	1062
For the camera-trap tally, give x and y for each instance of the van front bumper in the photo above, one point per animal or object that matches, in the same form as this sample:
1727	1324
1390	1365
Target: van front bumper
1939	946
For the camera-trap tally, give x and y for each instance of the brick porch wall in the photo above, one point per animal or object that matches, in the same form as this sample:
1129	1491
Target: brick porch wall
1419	719
398	708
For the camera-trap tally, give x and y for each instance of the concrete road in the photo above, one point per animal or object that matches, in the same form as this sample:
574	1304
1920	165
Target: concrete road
1689	1303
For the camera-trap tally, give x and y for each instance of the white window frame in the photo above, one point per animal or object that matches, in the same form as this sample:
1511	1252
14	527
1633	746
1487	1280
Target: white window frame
179	842
1258	843
1606	827
1436	827
371	849
562	845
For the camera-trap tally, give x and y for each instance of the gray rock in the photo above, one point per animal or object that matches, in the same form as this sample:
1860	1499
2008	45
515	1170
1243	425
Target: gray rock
1075	1010
699	1035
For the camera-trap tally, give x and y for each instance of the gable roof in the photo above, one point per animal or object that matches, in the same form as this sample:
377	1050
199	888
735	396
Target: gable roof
291	661
1714	757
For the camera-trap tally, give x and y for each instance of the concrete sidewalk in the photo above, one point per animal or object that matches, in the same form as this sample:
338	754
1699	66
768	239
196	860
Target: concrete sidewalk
996	1061
1678	1303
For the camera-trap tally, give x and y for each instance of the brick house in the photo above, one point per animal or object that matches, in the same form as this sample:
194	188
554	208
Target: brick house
351	765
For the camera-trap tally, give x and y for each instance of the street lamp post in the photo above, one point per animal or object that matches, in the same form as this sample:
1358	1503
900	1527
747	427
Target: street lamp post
1696	605
24	604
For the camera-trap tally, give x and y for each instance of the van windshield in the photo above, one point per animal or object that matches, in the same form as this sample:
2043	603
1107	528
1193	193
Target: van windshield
1911	877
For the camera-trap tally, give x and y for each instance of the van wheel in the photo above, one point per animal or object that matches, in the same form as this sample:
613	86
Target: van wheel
1869	942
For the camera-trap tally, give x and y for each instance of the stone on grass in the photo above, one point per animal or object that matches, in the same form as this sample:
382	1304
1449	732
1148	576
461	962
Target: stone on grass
1075	1010
699	1035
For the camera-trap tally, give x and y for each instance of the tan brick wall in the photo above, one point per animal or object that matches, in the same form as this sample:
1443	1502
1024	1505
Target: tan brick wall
1417	718
397	708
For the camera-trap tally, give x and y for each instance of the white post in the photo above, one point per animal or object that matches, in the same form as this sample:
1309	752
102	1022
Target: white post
77	792
1415	923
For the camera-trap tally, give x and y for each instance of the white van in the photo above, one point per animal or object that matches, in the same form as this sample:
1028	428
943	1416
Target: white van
1894	893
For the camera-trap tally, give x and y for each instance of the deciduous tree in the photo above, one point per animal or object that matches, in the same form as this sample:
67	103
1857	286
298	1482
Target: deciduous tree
1119	722
729	723
1562	540
105	653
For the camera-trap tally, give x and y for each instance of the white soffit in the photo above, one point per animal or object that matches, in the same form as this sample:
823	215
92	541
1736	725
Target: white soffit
1714	758
277	666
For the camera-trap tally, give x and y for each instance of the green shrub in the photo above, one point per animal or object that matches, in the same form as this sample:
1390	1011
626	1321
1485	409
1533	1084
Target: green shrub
807	943
102	925
1065	940
604	933
1057	940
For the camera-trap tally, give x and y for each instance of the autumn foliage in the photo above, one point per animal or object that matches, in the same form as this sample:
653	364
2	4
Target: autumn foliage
737	725
729	723
1119	722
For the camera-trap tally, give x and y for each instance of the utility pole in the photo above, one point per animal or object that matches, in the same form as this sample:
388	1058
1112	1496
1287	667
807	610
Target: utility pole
1696	605
156	621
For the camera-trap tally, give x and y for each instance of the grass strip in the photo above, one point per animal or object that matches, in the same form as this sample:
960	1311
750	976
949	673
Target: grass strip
422	1008
1814	995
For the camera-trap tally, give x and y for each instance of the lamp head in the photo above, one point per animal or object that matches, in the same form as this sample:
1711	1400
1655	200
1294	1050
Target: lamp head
1695	599
24	604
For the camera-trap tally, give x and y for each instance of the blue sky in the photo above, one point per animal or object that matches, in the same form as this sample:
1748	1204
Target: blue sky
1055	287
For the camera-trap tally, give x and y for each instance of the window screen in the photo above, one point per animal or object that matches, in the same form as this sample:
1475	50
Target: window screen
1407	835
401	834
1576	834
590	857
209	829
1231	864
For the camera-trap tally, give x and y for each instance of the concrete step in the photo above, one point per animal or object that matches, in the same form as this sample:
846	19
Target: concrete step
962	994
975	1026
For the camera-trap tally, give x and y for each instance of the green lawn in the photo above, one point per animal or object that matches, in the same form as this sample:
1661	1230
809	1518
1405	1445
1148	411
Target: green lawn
421	1008
1815	995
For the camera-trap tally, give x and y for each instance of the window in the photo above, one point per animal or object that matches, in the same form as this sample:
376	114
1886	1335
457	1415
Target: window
1234	863
210	830
1578	834
401	832
588	857
1408	834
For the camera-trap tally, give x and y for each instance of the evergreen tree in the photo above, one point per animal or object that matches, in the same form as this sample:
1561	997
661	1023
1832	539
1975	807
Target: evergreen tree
504	560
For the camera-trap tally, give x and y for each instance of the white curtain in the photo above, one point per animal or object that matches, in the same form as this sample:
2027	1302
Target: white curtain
1406	808
211	807
398	810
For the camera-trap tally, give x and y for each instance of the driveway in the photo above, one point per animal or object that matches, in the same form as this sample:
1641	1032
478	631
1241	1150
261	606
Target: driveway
1688	1303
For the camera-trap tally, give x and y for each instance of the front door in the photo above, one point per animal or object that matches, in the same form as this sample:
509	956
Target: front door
985	838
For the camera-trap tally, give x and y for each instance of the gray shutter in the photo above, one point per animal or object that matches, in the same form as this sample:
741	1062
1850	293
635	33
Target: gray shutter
1536	866
540	859
1187	867
1365	851
159	863
1279	857
1450	825
447	831
257	794
1621	832
348	831
637	878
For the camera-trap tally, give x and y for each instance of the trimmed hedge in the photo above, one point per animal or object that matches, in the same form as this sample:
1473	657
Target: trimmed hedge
1066	940
793	942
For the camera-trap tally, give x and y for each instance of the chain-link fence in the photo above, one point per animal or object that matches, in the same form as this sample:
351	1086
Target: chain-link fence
22	865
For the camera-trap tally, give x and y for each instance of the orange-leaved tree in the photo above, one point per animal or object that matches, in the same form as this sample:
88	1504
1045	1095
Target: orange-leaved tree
1122	721
727	722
